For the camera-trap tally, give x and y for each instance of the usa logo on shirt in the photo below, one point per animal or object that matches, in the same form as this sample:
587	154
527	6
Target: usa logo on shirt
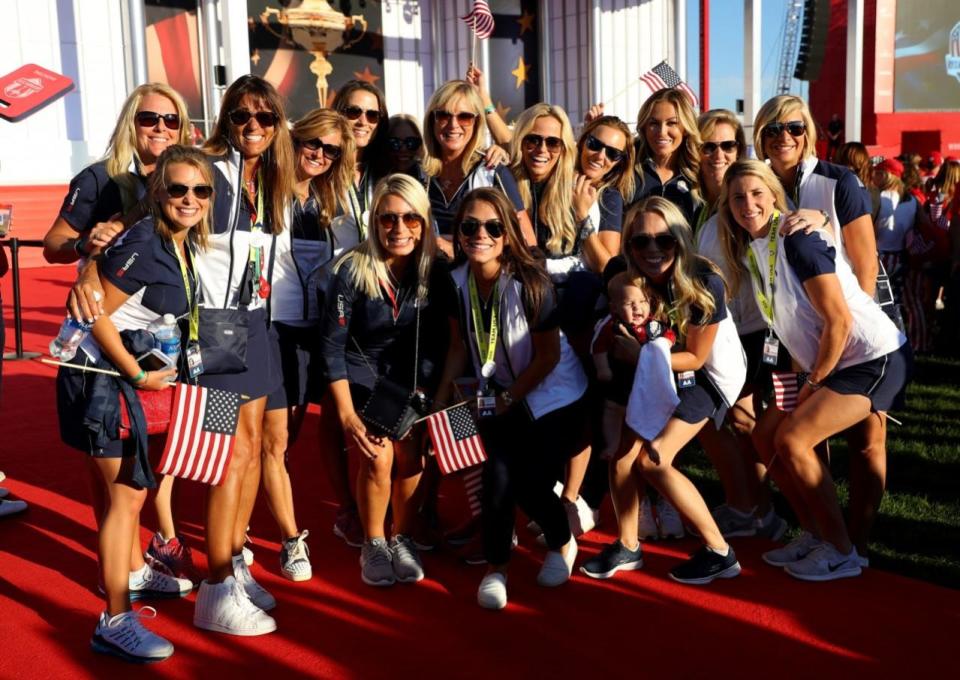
341	312
73	199
127	265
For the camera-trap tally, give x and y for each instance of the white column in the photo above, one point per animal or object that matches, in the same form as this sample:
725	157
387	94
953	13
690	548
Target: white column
403	67
752	66
209	59
137	35
236	39
854	106
680	36
596	61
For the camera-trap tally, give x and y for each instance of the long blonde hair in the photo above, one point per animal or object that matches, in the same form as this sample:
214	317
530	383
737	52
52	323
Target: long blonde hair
734	240
278	162
688	155
369	259
773	110
948	178
453	89
332	186
620	176
685	287
555	207
172	155
122	149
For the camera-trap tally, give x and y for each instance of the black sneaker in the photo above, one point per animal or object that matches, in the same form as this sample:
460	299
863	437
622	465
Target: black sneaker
613	558
706	565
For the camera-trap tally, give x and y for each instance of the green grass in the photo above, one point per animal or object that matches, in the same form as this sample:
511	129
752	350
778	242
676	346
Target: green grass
917	533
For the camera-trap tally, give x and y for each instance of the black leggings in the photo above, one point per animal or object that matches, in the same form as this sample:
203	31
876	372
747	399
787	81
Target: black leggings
525	458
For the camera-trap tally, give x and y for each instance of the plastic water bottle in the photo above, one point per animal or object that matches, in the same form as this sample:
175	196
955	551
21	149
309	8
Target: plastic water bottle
72	333
167	338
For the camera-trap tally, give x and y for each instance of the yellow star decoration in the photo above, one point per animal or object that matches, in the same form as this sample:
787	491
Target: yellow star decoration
366	75
520	73
526	22
502	110
255	57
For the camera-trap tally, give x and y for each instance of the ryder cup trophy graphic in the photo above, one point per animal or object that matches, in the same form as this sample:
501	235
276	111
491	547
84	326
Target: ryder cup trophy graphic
319	29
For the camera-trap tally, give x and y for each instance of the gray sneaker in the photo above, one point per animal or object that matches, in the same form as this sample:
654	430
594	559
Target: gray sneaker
406	562
733	523
376	563
773	526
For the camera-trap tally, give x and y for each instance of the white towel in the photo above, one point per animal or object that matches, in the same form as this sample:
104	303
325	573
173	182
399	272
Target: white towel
653	398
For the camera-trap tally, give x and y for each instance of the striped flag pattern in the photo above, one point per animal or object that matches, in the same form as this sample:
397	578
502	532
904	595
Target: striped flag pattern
786	387
455	439
480	19
201	435
661	76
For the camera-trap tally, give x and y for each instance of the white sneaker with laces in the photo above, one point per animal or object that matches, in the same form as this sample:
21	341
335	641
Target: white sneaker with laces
825	563
795	550
295	558
492	593
557	567
150	583
258	594
671	526
648	523
125	636
225	608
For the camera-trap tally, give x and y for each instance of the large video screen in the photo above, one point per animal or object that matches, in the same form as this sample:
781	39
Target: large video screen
927	58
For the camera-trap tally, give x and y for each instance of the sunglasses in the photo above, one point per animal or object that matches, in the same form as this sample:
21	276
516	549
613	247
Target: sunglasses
331	151
354	112
150	119
463	118
408	143
411	220
201	191
469	227
710	148
796	128
554	144
613	154
665	241
264	118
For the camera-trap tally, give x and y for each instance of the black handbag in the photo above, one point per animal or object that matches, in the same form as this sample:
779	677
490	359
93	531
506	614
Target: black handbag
392	409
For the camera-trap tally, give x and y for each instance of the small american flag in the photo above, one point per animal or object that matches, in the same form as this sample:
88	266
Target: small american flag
455	439
786	387
481	19
661	76
201	435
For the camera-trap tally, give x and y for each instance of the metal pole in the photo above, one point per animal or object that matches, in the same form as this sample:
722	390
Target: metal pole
854	104
209	59
705	55
680	36
18	354
138	42
751	64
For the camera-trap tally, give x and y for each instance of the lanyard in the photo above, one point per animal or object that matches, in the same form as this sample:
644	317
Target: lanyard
765	302
357	210
486	342
705	212
192	301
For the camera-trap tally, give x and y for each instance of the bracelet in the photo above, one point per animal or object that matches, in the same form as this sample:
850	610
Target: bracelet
78	244
507	398
826	217
813	384
487	110
139	377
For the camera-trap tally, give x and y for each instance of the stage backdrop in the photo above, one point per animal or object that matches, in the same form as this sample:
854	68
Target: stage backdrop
927	62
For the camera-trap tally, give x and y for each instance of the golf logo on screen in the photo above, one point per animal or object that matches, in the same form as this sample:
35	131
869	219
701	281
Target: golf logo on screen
953	57
23	87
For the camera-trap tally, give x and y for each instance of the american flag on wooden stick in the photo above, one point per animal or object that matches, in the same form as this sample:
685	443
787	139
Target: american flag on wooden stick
455	439
201	435
661	76
786	387
480	18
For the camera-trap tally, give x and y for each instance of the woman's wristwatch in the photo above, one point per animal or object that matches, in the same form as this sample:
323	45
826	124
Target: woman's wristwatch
813	384
78	245
826	217
507	398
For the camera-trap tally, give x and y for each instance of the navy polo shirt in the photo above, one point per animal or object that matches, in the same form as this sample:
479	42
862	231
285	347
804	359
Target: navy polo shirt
94	197
445	211
677	190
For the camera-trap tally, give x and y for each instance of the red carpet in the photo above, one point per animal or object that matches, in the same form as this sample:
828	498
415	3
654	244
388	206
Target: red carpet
761	624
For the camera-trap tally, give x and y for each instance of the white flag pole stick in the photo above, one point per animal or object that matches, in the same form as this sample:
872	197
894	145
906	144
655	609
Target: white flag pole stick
473	55
90	369
622	90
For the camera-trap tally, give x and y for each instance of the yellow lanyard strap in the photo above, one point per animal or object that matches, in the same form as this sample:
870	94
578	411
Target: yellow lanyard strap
486	342
765	299
192	302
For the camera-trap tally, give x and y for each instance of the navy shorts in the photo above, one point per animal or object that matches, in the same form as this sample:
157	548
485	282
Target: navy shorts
883	380
699	402
263	374
297	353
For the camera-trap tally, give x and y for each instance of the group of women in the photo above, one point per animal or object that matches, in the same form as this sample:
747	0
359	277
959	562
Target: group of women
362	259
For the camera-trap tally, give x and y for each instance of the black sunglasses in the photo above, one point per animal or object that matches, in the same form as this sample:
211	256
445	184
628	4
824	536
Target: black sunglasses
553	143
410	143
614	154
264	118
469	227
151	118
201	191
665	241
710	148
331	151
411	220
354	112
796	128
463	118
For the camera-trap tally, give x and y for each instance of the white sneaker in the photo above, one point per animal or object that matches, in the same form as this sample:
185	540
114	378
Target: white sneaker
149	583
492	593
11	507
793	551
295	558
671	526
648	523
247	556
225	608
257	593
581	517
825	563
124	636
557	567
